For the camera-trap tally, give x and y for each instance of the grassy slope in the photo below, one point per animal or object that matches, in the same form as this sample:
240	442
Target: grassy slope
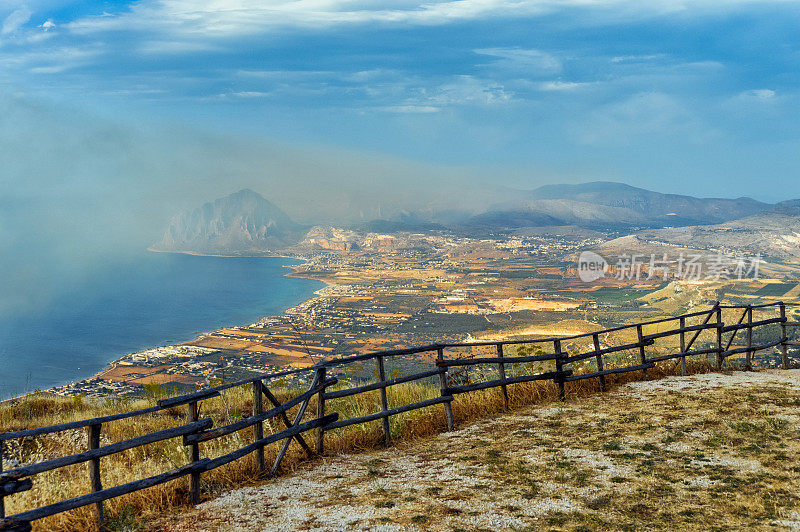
34	411
719	455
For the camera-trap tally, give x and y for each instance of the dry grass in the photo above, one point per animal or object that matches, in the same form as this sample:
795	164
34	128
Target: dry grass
712	452
130	512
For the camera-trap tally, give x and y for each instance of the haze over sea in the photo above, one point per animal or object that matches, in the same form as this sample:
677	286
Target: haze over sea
153	300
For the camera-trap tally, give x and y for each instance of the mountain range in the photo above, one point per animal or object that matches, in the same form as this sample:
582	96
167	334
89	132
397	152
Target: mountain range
245	222
609	205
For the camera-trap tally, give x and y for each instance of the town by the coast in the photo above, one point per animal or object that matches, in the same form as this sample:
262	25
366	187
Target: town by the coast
401	289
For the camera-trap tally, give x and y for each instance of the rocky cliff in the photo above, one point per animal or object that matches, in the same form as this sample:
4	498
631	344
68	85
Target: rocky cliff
242	223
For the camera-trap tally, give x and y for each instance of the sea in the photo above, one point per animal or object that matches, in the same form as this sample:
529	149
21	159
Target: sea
152	300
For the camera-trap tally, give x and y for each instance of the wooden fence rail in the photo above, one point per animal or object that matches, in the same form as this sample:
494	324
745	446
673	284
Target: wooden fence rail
448	357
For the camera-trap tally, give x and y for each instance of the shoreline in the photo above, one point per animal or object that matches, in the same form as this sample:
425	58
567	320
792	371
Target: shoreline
294	273
250	256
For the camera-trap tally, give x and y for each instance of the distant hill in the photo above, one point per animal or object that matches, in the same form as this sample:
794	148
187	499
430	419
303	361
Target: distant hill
241	223
772	234
653	205
789	207
610	205
775	236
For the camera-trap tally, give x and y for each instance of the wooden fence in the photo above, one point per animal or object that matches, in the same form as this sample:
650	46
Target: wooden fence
563	354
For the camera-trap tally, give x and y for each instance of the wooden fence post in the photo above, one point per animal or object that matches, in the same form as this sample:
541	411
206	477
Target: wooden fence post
784	352
559	368
642	354
93	433
448	408
502	370
298	418
274	400
748	354
194	477
258	428
682	324
719	338
320	411
2	497
596	341
387	435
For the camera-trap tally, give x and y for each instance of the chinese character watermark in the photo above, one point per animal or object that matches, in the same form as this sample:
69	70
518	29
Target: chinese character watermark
690	267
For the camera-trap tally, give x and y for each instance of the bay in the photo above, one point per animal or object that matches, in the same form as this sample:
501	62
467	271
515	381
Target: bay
152	300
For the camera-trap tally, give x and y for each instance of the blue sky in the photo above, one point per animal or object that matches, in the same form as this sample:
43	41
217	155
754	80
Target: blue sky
693	97
114	116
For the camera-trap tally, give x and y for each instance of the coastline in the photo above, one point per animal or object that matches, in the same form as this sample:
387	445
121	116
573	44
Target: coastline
247	255
295	272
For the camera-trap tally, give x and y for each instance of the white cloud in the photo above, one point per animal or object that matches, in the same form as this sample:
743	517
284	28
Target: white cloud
129	92
642	118
228	18
636	58
385	89
225	18
522	61
466	90
175	47
53	69
15	20
286	75
51	61
561	85
412	109
761	94
247	94
48	25
377	74
248	16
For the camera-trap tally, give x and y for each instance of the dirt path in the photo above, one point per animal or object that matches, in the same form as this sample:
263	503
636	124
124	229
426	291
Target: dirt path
711	451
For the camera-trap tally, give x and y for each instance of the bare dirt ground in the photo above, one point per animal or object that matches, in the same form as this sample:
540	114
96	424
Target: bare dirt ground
711	452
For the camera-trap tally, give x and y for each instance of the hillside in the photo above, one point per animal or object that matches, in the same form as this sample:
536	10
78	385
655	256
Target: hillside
771	234
610	205
653	206
706	451
243	222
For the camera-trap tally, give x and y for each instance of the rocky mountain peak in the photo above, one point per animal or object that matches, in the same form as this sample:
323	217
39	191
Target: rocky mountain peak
242	222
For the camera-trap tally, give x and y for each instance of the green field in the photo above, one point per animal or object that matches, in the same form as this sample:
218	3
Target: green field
618	296
774	289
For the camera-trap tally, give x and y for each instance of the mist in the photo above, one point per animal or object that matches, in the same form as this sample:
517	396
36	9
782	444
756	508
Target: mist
81	192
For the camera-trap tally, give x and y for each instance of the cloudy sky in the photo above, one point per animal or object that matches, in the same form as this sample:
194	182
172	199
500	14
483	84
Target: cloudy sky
698	97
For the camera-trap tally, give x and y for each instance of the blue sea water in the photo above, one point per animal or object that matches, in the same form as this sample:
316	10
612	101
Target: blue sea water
156	299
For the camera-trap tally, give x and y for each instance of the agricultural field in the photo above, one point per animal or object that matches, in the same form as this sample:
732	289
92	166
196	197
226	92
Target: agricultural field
774	289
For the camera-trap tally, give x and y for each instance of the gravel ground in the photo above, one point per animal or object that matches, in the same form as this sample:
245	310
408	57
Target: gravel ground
710	451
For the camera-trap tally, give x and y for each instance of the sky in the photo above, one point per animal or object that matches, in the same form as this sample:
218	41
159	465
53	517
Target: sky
114	115
694	97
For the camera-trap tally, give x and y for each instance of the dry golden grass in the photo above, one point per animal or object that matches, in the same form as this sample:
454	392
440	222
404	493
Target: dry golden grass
714	452
128	512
